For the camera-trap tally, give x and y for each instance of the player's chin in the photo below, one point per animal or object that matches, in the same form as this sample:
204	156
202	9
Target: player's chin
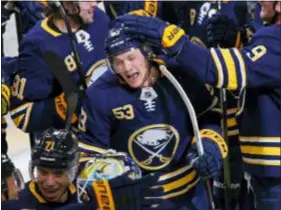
53	197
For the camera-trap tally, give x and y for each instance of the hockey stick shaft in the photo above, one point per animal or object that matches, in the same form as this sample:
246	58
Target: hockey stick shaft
226	164
192	114
189	108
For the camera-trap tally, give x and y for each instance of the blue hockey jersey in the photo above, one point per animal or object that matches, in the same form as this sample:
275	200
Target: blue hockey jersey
34	87
257	68
152	125
30	198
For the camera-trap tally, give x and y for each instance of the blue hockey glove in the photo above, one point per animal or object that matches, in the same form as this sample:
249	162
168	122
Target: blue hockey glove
156	32
124	193
222	31
31	12
209	164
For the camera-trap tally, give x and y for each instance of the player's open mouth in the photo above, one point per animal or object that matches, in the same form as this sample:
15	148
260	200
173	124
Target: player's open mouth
133	76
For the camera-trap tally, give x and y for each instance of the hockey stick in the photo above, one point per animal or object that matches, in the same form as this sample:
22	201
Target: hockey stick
60	71
192	115
226	165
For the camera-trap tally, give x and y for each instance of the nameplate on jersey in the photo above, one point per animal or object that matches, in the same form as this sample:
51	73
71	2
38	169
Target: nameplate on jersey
153	147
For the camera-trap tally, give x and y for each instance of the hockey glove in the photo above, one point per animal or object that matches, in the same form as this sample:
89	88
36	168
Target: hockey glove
11	179
156	32
215	149
31	12
124	193
222	31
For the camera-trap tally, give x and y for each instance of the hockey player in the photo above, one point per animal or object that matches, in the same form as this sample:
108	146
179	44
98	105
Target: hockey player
11	179
29	13
147	119
53	167
255	67
35	91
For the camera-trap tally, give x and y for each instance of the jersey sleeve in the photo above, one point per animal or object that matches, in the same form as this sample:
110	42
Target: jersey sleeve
32	89
257	65
94	123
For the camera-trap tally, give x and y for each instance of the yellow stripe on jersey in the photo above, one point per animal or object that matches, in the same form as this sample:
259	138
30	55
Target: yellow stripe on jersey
231	69
35	193
174	173
5	93
262	162
179	182
219	68
44	25
91	148
181	192
242	68
21	115
72	189
261	139
260	150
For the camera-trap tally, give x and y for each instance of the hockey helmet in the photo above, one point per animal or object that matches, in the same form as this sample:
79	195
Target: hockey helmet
55	149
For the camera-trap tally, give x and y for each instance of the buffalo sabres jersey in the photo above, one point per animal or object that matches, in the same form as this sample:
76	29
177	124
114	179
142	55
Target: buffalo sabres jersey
151	124
195	23
35	87
256	72
30	199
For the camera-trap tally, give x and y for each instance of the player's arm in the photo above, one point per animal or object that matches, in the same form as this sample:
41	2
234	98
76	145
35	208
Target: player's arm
95	124
32	93
256	65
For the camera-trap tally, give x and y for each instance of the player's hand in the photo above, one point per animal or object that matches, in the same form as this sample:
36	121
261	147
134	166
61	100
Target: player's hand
131	194
154	31
222	31
209	164
32	10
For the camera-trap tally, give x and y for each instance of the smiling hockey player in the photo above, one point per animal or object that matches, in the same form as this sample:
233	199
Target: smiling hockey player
53	167
255	70
139	112
35	90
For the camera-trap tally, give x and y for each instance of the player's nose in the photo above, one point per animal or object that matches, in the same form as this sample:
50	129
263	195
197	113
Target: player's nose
50	180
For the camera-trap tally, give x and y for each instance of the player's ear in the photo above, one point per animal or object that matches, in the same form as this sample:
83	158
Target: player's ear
278	7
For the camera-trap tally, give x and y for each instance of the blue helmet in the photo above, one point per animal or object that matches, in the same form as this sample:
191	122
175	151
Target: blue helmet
119	42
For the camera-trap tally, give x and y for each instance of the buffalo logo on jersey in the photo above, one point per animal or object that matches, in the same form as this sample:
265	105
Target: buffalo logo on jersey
154	146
